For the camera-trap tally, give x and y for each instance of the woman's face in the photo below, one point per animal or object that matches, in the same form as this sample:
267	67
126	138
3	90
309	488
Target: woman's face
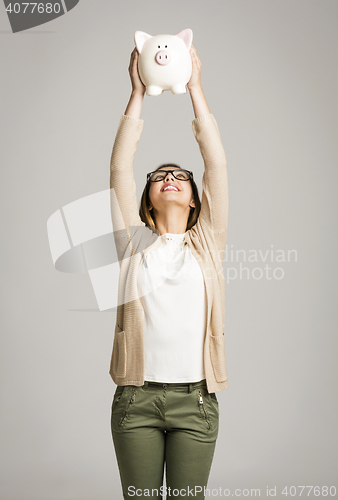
170	191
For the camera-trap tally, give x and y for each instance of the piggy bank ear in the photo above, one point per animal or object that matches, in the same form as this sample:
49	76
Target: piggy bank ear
140	37
186	36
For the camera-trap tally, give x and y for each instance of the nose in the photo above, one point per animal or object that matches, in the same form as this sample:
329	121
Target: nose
169	177
162	57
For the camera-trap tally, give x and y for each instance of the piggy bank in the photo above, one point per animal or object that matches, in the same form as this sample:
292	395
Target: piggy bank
164	61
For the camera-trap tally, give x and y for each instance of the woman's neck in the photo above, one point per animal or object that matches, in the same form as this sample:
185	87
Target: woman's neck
171	223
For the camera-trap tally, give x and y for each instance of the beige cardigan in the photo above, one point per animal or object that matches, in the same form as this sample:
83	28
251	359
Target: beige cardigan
207	239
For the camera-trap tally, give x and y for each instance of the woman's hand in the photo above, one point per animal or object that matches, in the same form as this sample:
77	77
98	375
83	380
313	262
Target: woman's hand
134	105
195	80
136	82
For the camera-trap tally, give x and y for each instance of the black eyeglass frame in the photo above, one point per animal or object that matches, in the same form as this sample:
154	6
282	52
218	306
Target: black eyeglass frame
191	175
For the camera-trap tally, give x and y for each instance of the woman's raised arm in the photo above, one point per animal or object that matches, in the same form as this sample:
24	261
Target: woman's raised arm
215	203
122	183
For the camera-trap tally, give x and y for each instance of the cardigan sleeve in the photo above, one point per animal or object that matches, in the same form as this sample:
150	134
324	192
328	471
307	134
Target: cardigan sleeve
215	202
124	207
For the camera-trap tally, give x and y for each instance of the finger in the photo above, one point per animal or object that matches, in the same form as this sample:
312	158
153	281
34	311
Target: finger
198	61
134	60
196	52
131	56
193	57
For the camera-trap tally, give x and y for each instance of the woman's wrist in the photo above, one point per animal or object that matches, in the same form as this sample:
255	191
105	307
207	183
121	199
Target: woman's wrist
134	105
195	89
199	102
137	91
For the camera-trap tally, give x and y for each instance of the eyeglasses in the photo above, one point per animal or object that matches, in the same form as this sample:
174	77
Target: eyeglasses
179	174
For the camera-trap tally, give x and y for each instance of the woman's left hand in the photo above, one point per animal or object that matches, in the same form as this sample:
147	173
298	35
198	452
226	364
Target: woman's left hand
195	80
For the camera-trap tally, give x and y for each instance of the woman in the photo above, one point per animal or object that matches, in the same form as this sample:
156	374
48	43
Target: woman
168	356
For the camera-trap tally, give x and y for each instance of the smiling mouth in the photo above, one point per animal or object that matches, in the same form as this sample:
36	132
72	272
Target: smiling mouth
170	188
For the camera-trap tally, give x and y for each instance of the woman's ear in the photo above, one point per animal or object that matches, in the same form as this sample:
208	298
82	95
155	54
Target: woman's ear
150	207
192	204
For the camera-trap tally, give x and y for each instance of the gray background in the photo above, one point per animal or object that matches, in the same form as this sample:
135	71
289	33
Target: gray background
270	78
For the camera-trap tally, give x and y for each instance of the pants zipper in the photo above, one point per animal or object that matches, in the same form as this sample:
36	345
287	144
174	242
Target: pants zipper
205	414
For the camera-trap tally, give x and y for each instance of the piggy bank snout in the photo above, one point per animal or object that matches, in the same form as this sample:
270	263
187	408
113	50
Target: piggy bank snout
162	57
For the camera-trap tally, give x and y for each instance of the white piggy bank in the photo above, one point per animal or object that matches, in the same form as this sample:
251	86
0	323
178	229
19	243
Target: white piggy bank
164	61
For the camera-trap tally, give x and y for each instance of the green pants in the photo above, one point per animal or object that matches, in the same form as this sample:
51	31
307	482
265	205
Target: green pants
175	424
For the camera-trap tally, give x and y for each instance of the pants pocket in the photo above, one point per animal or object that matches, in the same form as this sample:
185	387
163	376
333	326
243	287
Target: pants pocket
130	401
202	408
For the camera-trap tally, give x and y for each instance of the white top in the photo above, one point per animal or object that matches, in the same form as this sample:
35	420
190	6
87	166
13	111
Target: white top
172	292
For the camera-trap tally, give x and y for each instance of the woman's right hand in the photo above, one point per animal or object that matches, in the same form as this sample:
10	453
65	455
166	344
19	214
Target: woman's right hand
136	82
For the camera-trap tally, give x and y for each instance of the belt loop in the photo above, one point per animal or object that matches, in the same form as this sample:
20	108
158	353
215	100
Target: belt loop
190	388
146	384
